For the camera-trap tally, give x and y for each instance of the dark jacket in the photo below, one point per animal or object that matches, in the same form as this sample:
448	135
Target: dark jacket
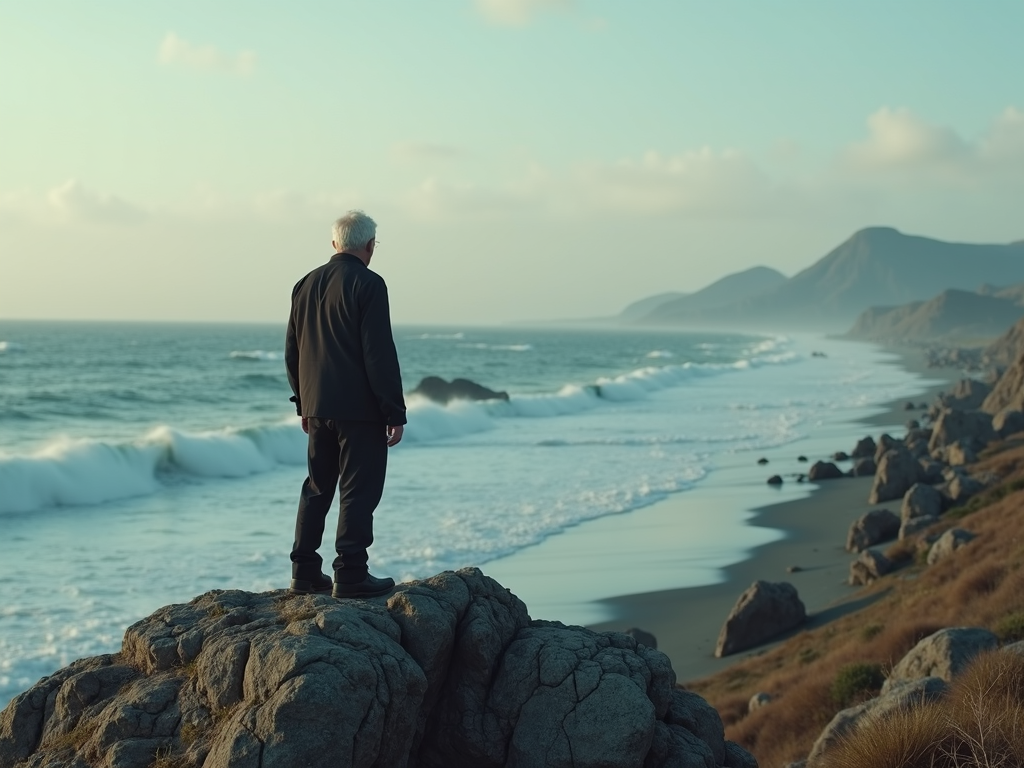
339	350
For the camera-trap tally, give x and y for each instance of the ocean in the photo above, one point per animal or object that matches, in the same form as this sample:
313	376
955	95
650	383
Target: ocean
143	464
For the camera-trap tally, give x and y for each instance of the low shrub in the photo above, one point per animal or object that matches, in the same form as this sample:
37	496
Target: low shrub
853	681
1010	628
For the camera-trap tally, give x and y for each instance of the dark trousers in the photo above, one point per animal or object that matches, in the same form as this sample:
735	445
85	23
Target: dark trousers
352	456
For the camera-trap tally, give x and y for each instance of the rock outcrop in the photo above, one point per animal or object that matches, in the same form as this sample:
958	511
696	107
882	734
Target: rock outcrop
847	721
824	470
943	654
921	501
449	671
897	471
948	543
872	528
868	567
955	425
765	610
441	391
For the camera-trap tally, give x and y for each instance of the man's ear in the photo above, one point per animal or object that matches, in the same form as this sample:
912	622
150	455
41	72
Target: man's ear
370	244
334	245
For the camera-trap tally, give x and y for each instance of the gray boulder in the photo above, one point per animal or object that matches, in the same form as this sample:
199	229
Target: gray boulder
897	471
944	654
960	453
962	487
765	610
931	471
643	637
955	425
758	700
449	671
872	528
886	443
948	543
967	395
848	721
865	448
864	468
1008	422
441	391
824	470
869	566
921	501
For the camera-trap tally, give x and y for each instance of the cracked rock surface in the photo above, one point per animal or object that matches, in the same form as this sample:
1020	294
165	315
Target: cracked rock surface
446	672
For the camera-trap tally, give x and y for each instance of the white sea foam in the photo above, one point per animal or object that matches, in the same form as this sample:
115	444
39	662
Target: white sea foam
78	472
11	346
655	354
499	347
84	472
439	336
256	354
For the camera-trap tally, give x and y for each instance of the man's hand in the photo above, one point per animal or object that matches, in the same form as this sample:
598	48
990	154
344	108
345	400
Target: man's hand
305	425
395	434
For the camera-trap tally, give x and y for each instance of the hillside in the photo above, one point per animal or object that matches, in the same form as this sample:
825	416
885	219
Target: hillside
1008	347
981	587
953	314
878	266
729	289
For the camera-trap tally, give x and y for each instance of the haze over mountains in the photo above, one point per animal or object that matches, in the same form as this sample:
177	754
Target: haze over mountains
876	267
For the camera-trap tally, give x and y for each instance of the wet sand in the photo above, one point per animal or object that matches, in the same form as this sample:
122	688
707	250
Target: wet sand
814	525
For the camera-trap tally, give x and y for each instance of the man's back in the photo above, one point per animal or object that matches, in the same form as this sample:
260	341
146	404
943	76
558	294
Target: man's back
339	350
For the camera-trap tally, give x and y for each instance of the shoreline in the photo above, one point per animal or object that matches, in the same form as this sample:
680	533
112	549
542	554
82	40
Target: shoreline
686	620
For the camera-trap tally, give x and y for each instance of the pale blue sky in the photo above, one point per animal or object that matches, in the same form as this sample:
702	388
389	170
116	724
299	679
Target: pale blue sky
524	159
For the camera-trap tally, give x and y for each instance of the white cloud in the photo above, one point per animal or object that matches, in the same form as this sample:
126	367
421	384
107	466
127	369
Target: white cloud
74	200
517	13
174	51
901	148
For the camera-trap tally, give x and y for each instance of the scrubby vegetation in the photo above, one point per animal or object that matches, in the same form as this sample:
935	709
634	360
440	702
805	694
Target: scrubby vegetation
981	723
855	682
979	585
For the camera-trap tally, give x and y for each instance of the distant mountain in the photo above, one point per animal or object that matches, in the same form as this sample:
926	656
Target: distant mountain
953	314
878	266
729	289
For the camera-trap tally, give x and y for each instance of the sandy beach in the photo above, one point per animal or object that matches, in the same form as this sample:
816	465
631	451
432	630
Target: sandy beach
634	557
686	622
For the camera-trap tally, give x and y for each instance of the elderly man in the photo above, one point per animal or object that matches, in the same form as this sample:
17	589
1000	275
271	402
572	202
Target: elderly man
343	368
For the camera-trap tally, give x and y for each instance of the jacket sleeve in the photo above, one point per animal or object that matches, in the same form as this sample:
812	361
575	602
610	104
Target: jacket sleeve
379	354
291	355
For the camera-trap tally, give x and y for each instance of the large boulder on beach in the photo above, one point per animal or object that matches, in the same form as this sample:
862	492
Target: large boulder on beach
441	391
948	543
921	501
868	567
953	425
944	654
824	470
448	671
765	610
863	467
897	471
886	443
864	449
872	528
966	395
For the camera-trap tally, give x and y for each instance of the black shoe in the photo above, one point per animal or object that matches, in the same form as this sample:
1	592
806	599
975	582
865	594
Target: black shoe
371	586
319	586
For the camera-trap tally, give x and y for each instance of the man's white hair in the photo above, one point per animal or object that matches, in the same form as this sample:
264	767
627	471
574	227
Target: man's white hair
353	231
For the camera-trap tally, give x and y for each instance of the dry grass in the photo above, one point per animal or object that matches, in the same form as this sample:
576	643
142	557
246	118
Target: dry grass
981	723
979	585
